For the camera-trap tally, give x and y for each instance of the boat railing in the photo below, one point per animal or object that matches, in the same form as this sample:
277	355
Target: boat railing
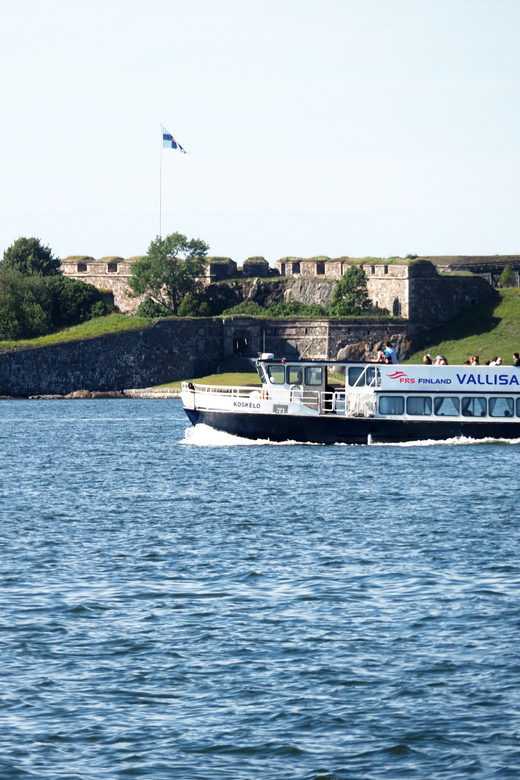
226	390
332	402
360	405
306	397
324	402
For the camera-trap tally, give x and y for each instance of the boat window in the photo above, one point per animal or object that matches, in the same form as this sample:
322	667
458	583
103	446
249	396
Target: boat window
370	375
294	375
474	407
361	376
391	404
419	404
501	407
277	374
446	406
354	373
313	376
518	407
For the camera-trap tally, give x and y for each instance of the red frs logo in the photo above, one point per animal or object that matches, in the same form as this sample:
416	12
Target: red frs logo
402	377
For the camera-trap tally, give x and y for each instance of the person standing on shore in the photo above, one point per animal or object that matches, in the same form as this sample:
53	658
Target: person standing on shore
516	359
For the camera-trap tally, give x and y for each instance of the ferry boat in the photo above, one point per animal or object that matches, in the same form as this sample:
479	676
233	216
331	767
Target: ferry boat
328	402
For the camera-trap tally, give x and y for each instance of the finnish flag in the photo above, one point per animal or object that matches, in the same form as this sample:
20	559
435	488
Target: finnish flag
169	142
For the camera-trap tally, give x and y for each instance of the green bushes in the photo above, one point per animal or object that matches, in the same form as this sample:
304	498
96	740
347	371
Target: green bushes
296	309
507	277
152	309
350	294
33	306
281	309
35	299
246	309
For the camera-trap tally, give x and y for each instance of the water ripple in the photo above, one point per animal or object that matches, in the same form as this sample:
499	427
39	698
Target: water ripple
325	613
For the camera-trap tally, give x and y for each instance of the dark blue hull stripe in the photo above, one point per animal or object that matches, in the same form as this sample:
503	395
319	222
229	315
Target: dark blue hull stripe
334	429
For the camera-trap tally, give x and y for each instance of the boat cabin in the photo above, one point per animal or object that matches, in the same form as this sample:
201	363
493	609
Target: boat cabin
368	389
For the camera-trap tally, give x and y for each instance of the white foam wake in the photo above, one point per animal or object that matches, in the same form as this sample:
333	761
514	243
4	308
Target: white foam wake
202	435
456	441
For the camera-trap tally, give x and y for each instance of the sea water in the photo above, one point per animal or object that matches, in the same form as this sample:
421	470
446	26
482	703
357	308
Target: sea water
176	603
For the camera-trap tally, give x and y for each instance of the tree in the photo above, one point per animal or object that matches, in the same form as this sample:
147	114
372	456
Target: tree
152	310
507	277
350	294
30	258
171	270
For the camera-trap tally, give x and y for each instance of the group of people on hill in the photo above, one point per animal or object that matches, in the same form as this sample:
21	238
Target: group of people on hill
388	354
440	360
473	360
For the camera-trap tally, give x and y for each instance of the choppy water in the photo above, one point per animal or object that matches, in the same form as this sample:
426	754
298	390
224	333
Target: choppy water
179	611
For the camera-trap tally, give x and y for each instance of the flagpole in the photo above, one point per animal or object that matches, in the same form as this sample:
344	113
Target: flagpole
160	185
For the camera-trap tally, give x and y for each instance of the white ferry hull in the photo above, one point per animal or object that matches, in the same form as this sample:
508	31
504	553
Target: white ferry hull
366	403
336	429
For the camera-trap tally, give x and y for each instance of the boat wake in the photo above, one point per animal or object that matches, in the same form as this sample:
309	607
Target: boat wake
456	441
204	436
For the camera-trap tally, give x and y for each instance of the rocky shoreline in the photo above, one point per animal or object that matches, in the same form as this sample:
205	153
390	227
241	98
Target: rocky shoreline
147	392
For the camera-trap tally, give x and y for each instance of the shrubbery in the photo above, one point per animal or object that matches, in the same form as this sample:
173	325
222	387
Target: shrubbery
35	299
152	309
507	277
246	309
33	306
296	309
195	306
281	309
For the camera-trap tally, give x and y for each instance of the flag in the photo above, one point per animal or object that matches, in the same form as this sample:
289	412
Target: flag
169	142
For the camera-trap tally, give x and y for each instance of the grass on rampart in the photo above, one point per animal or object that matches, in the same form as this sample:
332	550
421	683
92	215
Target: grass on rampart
100	326
222	380
489	329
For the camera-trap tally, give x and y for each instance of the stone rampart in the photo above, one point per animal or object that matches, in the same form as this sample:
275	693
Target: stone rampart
438	299
404	289
416	292
171	350
183	348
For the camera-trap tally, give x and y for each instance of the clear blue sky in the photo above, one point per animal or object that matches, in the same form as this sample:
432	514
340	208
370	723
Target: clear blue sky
337	127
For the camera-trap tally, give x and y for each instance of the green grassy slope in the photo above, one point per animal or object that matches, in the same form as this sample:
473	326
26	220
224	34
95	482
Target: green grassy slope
223	380
487	330
100	326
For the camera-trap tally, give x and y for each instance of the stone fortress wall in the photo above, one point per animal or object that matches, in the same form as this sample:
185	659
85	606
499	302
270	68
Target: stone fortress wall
418	289
108	273
412	290
175	349
112	274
